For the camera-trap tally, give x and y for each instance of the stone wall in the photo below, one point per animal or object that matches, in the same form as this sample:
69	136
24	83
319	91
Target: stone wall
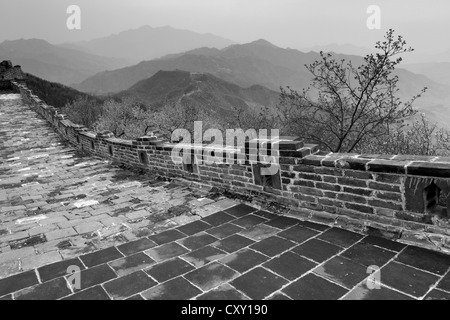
405	198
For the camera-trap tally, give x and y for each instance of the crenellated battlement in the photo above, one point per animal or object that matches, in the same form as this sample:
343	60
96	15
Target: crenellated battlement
406	198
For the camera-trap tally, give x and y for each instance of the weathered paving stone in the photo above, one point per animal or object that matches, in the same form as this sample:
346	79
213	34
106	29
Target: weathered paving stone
445	283
314	226
166	251
244	260
260	232
368	255
51	290
203	256
38	260
406	279
282	222
130	264
249	221
317	250
6	298
167	236
233	243
18	282
343	271
362	292
437	295
218	218
297	234
58	269
129	285
136	297
224	230
272	246
289	265
194	227
29	242
94	276
175	289
100	257
94	293
384	243
265	214
224	292
312	287
169	269
434	262
240	210
210	276
197	241
340	237
258	283
133	247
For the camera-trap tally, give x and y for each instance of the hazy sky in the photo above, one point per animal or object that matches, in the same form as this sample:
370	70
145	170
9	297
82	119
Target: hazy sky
286	23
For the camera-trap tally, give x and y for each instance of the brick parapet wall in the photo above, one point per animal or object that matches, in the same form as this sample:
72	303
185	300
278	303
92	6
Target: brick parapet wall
384	195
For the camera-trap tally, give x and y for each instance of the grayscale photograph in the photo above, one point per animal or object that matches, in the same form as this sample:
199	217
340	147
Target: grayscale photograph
236	151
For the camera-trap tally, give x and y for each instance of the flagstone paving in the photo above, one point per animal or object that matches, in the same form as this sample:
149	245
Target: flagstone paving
65	216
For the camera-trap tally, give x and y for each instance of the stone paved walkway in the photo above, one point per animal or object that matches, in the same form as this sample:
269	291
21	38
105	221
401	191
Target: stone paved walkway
133	237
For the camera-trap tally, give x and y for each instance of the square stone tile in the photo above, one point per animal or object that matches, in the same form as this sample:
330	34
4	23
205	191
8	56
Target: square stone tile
258	283
203	256
362	292
175	289
130	264
317	250
249	221
437	294
137	297
427	260
58	269
50	290
265	214
368	255
197	241
282	222
244	260
289	265
169	269
100	257
444	284
313	225
166	251
210	276
312	287
240	210
94	293
298	234
17	282
167	236
8	297
94	276
136	246
343	271
129	285
406	279
194	227
218	218
384	243
272	246
224	230
340	237
233	243
224	292
260	232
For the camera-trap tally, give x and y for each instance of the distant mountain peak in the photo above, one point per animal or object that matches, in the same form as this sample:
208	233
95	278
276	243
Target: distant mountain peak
262	42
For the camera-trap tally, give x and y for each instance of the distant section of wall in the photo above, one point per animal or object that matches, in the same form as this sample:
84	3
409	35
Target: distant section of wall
405	198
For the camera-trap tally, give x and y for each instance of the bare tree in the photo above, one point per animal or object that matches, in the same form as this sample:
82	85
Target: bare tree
352	104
